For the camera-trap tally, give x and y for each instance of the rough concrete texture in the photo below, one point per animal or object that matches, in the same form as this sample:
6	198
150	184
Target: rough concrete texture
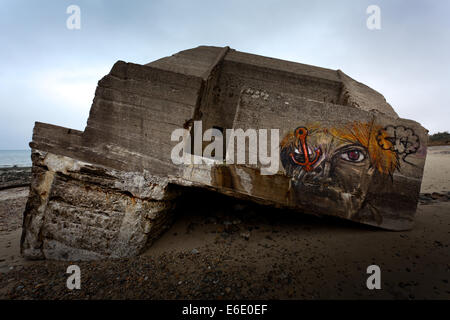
109	191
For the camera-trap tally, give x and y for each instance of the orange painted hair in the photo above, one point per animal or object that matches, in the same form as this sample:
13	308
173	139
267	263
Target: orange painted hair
365	134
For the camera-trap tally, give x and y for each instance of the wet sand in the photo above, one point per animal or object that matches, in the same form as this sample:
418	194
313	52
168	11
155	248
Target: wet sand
237	250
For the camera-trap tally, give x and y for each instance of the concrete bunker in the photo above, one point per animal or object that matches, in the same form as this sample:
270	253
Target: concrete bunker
107	191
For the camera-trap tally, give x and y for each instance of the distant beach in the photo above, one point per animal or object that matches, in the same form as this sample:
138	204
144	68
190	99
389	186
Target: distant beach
11	158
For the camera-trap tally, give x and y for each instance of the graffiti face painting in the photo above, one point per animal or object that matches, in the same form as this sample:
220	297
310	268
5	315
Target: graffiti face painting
343	161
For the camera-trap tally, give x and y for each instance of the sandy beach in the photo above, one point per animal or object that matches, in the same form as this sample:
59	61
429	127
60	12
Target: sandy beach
238	250
436	176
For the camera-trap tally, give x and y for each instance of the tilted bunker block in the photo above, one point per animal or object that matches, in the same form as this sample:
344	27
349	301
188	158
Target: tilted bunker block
336	148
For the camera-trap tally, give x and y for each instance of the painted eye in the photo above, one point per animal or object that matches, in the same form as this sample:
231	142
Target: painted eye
353	155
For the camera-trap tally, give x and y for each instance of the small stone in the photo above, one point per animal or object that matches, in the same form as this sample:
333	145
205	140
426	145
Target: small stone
245	235
435	196
438	243
195	251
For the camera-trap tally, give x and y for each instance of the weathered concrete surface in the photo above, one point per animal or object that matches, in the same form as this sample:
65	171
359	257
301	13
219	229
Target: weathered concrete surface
80	211
108	191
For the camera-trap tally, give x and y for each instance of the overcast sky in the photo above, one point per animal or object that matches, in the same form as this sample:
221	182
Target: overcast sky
49	73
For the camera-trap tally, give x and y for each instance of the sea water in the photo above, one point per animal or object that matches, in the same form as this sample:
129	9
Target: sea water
11	158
